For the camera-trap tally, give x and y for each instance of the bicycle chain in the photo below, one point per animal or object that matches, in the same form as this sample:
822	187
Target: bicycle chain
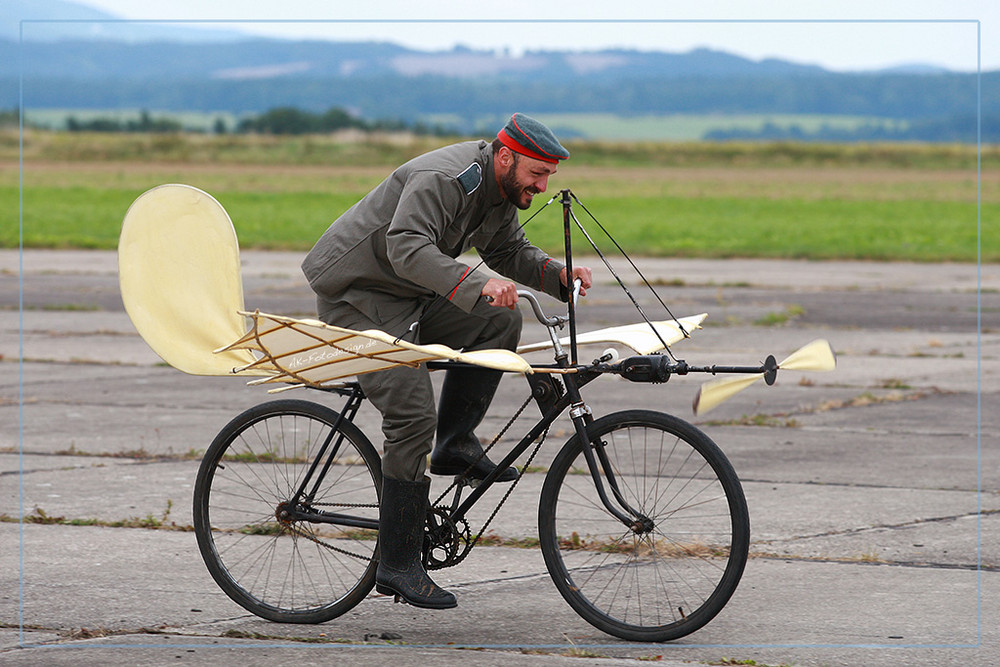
486	450
375	505
327	545
510	489
323	543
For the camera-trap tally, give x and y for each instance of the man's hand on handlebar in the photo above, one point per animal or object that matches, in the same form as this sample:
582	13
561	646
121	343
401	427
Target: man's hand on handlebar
500	292
581	273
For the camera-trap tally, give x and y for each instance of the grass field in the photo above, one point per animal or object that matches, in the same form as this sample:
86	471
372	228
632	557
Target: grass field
693	127
696	200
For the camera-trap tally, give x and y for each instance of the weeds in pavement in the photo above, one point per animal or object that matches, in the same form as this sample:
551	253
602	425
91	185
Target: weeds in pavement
149	522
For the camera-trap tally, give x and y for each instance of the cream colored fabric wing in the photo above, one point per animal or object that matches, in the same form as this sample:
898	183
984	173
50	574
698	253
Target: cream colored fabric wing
638	336
309	352
181	283
717	391
816	356
179	272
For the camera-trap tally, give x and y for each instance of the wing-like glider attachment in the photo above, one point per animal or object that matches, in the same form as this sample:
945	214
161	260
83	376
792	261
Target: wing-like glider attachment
638	337
816	356
181	282
309	352
179	272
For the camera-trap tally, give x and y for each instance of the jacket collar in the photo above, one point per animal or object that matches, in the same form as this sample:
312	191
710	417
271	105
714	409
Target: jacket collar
493	195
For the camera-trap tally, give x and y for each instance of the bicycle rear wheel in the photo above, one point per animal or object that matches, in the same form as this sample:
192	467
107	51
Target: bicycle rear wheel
675	569
290	571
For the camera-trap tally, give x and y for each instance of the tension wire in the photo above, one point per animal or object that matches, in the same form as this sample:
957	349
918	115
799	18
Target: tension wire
620	282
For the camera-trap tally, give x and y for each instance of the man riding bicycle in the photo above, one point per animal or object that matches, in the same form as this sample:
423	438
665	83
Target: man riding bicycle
390	263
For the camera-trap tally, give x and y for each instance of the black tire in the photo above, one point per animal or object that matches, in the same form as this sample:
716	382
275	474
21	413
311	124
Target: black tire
290	572
675	575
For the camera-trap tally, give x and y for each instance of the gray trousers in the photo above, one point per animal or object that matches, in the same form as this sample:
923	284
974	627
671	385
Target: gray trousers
404	395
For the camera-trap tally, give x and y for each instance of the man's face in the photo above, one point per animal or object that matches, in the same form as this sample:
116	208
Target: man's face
525	178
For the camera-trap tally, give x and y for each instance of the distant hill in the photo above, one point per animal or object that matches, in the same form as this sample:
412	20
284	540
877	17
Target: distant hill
183	68
259	59
380	79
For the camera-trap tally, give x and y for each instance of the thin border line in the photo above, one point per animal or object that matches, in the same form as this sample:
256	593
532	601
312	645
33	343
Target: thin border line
560	21
610	644
20	333
978	24
979	333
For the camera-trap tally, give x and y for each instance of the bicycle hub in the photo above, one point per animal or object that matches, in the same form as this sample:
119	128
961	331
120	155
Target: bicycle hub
642	525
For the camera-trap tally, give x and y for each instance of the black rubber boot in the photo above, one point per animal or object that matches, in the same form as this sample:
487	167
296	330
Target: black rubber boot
465	395
402	515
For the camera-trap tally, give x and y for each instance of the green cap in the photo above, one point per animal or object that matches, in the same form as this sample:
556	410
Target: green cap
527	136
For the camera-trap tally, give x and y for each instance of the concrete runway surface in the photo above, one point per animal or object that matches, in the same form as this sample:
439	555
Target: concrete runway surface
873	490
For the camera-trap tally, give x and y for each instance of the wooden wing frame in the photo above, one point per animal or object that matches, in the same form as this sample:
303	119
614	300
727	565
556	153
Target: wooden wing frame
305	352
180	278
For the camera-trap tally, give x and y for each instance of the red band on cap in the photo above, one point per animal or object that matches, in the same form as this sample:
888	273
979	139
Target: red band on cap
513	144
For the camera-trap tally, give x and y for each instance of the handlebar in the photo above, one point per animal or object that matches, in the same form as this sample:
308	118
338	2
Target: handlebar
553	321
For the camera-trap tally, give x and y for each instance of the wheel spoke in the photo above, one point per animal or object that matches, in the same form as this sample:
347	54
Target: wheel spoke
663	580
289	571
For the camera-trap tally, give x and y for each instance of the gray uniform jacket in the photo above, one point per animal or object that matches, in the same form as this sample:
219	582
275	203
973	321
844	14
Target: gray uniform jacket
391	253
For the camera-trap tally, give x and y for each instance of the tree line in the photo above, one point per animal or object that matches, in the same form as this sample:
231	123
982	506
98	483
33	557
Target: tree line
954	129
961	128
277	121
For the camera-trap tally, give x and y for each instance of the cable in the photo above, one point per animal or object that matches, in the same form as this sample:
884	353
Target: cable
435	303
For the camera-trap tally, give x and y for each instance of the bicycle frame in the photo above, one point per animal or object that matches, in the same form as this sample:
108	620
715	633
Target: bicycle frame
651	368
580	414
291	510
573	379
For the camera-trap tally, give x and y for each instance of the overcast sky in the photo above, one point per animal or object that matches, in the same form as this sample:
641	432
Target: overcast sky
847	35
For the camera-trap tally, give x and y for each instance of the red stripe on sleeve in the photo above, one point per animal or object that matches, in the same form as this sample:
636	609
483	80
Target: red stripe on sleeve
452	293
544	266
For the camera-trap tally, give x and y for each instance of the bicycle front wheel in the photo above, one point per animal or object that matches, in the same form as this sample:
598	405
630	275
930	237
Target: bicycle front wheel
290	570
676	565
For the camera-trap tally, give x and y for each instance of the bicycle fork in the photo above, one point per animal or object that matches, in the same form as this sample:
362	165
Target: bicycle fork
597	461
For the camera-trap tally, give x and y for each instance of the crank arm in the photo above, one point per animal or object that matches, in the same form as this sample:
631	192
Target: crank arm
335	518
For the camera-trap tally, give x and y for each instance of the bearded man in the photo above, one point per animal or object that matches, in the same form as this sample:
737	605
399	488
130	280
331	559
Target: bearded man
391	263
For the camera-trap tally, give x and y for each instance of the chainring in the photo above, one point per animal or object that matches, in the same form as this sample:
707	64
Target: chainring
446	542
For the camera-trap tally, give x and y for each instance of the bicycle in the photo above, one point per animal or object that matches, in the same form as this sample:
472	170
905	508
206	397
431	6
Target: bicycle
643	524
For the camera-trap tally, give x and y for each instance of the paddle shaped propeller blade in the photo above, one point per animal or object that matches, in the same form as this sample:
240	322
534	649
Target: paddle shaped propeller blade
714	392
816	356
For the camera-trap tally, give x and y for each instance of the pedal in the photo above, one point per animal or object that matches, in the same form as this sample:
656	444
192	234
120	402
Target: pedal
471	482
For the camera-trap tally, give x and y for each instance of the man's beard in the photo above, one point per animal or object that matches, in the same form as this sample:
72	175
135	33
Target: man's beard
513	190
